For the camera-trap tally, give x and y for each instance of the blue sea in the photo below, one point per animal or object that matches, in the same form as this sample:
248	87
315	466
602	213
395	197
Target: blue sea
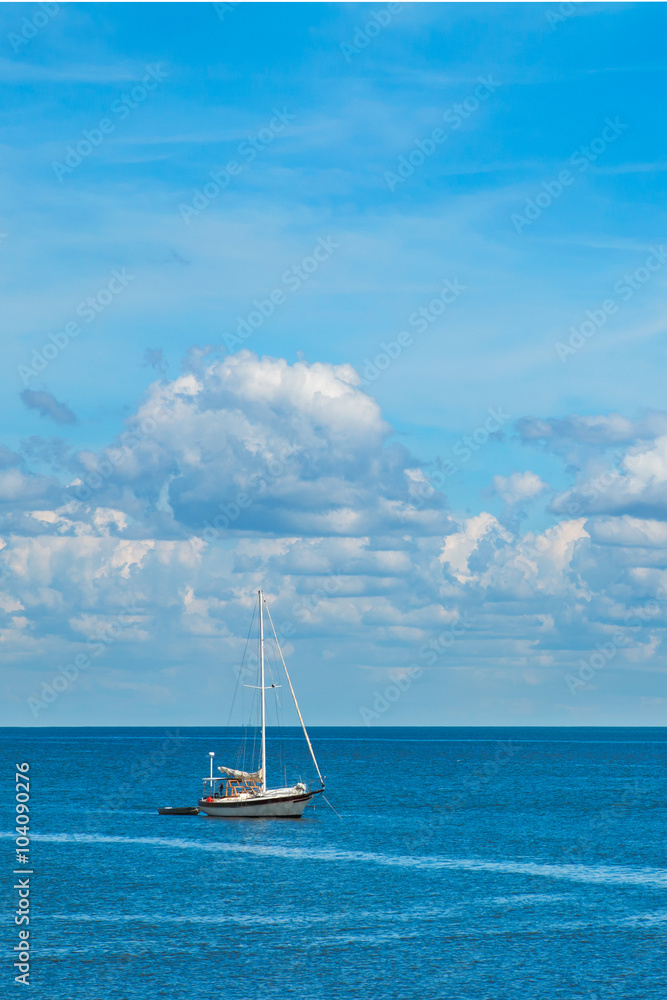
465	863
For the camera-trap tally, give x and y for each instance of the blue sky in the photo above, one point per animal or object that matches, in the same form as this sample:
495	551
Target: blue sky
369	159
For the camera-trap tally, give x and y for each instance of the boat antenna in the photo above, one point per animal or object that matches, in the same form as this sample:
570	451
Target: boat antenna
296	703
261	683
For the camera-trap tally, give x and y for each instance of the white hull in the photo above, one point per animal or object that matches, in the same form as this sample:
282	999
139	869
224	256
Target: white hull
243	794
256	807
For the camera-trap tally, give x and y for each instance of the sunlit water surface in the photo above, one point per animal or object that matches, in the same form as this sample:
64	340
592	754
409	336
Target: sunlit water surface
504	864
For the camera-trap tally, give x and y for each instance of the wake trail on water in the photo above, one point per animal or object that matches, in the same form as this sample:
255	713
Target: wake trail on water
593	874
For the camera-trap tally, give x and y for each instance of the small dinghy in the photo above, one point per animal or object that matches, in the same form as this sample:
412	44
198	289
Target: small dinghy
179	811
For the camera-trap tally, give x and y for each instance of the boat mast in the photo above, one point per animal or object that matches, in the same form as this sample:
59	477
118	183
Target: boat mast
296	703
261	682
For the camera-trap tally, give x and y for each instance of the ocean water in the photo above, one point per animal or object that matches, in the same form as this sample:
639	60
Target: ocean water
489	864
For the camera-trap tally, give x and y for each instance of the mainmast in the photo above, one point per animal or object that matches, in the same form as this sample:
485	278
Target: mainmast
261	683
296	703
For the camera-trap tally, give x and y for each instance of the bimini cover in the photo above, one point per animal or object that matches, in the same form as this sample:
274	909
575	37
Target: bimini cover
241	775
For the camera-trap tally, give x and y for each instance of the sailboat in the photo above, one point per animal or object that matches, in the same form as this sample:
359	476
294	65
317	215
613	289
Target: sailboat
237	793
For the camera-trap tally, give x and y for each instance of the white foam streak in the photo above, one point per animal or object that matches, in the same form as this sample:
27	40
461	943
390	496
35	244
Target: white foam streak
592	874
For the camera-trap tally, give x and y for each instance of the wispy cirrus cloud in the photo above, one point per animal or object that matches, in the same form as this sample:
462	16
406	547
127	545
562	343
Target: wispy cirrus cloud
14	71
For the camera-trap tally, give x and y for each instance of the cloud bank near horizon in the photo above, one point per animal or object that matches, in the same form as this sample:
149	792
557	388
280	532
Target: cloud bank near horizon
248	471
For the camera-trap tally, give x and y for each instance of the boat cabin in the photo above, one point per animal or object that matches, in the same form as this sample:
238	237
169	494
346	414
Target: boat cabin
230	788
